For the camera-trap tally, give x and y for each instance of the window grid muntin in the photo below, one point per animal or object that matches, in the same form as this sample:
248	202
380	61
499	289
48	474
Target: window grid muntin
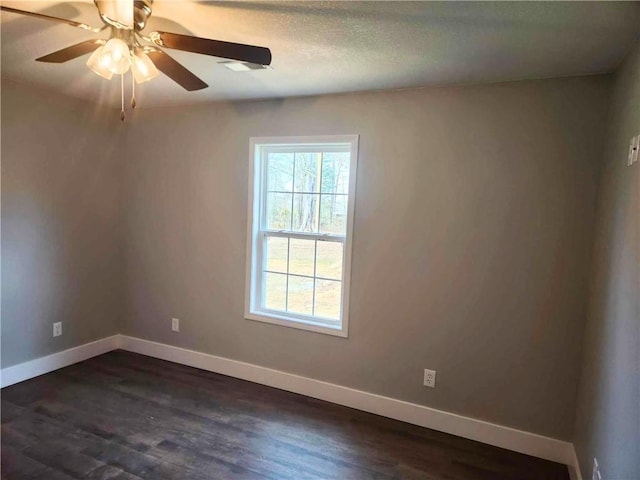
313	300
286	290
315	243
293	189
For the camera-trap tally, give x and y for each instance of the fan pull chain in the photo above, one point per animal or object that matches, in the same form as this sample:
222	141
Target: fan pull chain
133	91
122	115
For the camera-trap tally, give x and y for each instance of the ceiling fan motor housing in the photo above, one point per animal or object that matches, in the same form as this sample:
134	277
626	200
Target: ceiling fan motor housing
116	14
141	12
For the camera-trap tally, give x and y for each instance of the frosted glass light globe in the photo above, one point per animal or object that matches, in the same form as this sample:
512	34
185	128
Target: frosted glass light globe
95	64
143	68
115	56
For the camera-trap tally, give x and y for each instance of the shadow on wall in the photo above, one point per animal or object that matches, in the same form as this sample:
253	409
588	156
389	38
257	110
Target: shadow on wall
61	223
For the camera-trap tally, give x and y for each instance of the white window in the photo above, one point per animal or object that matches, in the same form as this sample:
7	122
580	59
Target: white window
301	202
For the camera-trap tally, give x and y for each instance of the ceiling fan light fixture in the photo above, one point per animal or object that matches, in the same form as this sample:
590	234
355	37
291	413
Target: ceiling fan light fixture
115	56
96	65
143	68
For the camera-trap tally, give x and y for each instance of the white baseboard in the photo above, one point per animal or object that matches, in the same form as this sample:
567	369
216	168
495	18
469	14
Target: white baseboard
466	427
42	365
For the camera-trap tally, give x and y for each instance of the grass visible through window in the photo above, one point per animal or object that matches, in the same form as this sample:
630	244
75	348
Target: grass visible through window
297	258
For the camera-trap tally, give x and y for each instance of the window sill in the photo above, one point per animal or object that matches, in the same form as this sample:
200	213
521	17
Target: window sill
299	324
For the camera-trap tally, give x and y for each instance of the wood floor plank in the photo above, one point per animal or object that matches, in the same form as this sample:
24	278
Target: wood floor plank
123	416
15	463
108	472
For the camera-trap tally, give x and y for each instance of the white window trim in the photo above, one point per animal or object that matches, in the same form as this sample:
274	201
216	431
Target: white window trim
253	229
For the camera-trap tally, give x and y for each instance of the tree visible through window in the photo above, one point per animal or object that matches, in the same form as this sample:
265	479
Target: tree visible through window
300	231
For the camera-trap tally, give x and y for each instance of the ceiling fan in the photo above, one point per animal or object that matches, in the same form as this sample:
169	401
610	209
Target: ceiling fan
129	48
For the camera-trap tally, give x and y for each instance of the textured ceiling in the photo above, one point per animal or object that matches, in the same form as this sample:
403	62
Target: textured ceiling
327	47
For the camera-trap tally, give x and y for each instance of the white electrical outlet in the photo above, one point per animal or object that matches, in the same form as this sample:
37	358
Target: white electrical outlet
429	378
175	324
595	475
57	329
634	147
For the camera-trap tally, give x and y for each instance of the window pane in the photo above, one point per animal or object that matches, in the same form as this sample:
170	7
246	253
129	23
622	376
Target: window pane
301	256
275	291
279	211
277	254
328	297
333	212
305	212
329	260
300	295
307	172
335	172
280	172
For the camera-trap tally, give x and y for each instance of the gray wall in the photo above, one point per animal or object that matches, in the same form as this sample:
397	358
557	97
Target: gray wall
608	419
473	233
61	223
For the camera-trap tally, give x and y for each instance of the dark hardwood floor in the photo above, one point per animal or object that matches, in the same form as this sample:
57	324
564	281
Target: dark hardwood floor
127	416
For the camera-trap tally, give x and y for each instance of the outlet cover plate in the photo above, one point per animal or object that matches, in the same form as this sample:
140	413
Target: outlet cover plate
175	324
595	474
634	148
57	329
429	378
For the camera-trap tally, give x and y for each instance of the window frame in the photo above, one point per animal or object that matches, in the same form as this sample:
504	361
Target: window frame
254	286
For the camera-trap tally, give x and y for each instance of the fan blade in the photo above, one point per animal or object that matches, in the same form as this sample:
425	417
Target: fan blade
84	26
175	71
215	48
71	52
